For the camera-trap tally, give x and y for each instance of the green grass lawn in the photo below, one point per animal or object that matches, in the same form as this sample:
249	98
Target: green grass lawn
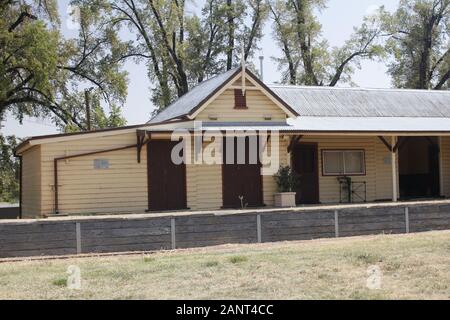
415	266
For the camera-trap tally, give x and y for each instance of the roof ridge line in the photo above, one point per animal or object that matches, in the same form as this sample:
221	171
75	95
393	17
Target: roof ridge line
356	88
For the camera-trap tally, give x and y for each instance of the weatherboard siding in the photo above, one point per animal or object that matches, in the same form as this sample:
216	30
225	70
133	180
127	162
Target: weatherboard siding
269	184
329	185
83	189
123	187
31	183
204	186
259	105
204	182
383	170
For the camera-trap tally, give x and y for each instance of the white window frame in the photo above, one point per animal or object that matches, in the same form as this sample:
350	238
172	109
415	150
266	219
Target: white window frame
343	152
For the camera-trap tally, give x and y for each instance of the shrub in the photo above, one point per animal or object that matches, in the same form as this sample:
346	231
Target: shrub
286	179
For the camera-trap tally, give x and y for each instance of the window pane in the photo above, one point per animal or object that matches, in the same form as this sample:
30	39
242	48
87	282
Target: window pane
354	162
333	162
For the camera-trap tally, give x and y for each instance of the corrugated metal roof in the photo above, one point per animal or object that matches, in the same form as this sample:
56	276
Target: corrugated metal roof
193	98
356	102
327	101
369	124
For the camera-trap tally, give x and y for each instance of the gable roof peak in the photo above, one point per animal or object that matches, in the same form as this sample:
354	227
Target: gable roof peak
195	97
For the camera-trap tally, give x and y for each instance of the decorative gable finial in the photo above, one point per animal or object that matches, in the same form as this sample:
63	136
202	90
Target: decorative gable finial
243	68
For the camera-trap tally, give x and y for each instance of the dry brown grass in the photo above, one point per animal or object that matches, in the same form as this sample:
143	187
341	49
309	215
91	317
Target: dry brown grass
415	266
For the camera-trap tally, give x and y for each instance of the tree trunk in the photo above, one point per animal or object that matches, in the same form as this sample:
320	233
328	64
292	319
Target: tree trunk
425	64
231	29
305	46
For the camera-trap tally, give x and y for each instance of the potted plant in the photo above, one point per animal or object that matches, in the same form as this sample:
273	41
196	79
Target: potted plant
287	181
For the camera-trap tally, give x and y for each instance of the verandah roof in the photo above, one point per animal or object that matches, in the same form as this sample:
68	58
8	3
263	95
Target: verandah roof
371	124
335	125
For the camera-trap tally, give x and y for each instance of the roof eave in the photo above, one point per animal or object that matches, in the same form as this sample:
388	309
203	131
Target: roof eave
192	112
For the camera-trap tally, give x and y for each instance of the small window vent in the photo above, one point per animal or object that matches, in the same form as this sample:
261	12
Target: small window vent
101	164
240	100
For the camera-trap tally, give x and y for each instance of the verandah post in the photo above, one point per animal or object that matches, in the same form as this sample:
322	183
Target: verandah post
394	169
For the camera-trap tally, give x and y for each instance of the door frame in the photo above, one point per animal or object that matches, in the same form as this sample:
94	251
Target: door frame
317	162
261	180
148	179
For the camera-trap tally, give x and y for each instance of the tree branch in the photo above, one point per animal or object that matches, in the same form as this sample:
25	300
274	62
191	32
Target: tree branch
21	19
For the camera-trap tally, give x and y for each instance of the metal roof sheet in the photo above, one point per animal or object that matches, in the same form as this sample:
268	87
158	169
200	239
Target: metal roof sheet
193	98
356	102
369	124
327	101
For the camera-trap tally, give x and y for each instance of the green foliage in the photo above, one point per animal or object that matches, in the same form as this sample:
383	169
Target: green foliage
307	57
43	74
99	119
179	48
418	43
286	179
9	170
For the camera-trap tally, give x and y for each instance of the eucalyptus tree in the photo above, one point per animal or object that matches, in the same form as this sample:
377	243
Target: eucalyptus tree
418	42
9	170
307	57
43	74
180	46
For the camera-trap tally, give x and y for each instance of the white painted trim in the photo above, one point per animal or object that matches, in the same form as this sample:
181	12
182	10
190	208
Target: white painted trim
271	97
81	136
230	85
247	88
214	97
164	126
368	134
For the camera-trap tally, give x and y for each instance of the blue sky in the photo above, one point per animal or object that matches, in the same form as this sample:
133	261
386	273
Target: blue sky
337	20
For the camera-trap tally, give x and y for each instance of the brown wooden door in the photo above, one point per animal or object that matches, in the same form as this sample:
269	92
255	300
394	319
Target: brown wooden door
305	163
241	180
166	180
